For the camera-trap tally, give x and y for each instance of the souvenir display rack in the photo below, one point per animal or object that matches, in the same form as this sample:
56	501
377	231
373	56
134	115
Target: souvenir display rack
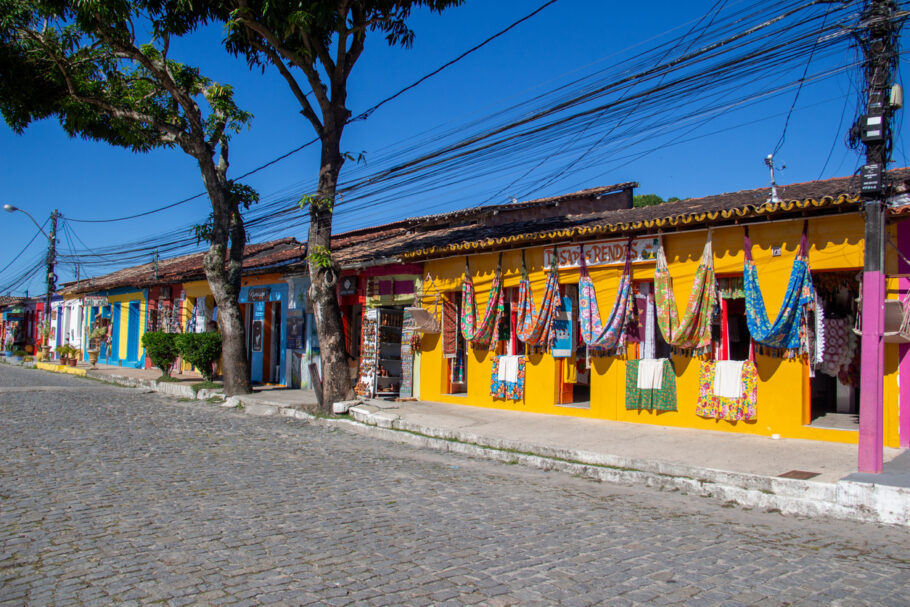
380	355
388	375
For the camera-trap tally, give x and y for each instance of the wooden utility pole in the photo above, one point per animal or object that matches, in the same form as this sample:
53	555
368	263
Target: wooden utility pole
879	47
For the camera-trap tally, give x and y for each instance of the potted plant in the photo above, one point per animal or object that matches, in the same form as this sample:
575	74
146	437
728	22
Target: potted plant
45	331
94	344
74	356
63	352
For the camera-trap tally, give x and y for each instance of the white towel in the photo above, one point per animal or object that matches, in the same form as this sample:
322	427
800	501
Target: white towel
728	378
508	369
650	373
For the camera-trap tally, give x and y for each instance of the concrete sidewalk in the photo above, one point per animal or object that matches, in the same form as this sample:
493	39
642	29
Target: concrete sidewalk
732	467
740	468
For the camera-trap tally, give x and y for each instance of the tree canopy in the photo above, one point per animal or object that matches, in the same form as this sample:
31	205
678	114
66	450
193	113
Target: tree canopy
647	200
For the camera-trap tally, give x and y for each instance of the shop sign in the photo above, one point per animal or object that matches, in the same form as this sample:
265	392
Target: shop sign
347	285
603	253
95	301
259	294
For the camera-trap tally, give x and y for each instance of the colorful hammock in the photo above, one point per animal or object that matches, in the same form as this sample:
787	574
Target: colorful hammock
481	335
596	335
789	329
535	329
693	333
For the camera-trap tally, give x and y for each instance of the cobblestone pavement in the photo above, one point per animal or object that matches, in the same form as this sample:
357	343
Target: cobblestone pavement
111	496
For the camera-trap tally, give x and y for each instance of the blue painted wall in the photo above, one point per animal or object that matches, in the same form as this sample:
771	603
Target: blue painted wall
279	293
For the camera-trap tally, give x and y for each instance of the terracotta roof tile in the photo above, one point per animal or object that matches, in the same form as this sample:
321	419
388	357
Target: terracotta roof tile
259	257
693	211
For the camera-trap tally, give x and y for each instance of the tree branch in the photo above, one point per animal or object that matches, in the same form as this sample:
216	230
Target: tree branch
305	105
316	84
162	75
169	132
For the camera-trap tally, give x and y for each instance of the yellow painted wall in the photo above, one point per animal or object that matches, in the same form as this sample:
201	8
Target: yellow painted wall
195	289
123	301
836	243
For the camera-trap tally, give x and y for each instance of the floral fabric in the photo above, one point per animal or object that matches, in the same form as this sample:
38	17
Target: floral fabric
789	329
693	332
719	407
537	329
505	389
663	399
481	335
597	335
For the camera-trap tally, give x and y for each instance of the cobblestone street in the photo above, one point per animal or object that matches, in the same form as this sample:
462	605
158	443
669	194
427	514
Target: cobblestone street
112	496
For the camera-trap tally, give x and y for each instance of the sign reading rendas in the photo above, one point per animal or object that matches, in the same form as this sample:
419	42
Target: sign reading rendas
602	253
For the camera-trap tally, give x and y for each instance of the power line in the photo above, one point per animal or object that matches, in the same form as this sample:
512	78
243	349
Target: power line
27	245
362	116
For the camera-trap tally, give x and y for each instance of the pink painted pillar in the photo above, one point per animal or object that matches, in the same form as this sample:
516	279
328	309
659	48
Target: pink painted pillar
903	244
871	388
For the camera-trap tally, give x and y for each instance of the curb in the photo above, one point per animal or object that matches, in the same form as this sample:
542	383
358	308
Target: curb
846	500
55	368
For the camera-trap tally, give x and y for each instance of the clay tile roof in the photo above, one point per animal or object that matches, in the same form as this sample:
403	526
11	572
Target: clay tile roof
11	300
693	211
259	257
392	239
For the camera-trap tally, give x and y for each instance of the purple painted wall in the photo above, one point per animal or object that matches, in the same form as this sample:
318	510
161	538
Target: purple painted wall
903	243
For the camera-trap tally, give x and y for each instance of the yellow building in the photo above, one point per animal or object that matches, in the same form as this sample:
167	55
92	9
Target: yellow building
804	396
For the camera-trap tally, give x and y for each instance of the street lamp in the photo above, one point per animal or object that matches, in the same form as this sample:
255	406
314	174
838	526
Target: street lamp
51	255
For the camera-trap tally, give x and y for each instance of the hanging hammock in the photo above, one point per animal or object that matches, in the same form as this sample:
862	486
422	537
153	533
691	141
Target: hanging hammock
535	329
596	335
693	333
789	329
481	335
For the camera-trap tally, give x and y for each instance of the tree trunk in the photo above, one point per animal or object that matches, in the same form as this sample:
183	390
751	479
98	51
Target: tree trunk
223	264
336	383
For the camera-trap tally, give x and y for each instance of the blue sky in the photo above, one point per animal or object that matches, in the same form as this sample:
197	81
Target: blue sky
43	169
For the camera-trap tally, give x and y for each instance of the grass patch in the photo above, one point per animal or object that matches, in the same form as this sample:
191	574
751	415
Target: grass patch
166	378
214	399
186	400
205	385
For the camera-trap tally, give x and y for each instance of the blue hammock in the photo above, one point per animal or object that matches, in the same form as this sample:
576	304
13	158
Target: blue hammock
784	334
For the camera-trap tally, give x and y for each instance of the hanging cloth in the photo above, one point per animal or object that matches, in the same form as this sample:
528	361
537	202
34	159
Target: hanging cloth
191	322
693	332
481	335
717	401
535	329
789	329
654	391
597	335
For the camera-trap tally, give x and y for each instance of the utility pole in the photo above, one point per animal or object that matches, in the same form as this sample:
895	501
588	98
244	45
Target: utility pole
51	277
875	132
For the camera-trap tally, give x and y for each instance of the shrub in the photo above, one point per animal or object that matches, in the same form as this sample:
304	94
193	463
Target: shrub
200	350
161	348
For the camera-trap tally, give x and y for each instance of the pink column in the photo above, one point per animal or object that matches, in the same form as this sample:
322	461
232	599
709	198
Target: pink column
871	418
903	243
